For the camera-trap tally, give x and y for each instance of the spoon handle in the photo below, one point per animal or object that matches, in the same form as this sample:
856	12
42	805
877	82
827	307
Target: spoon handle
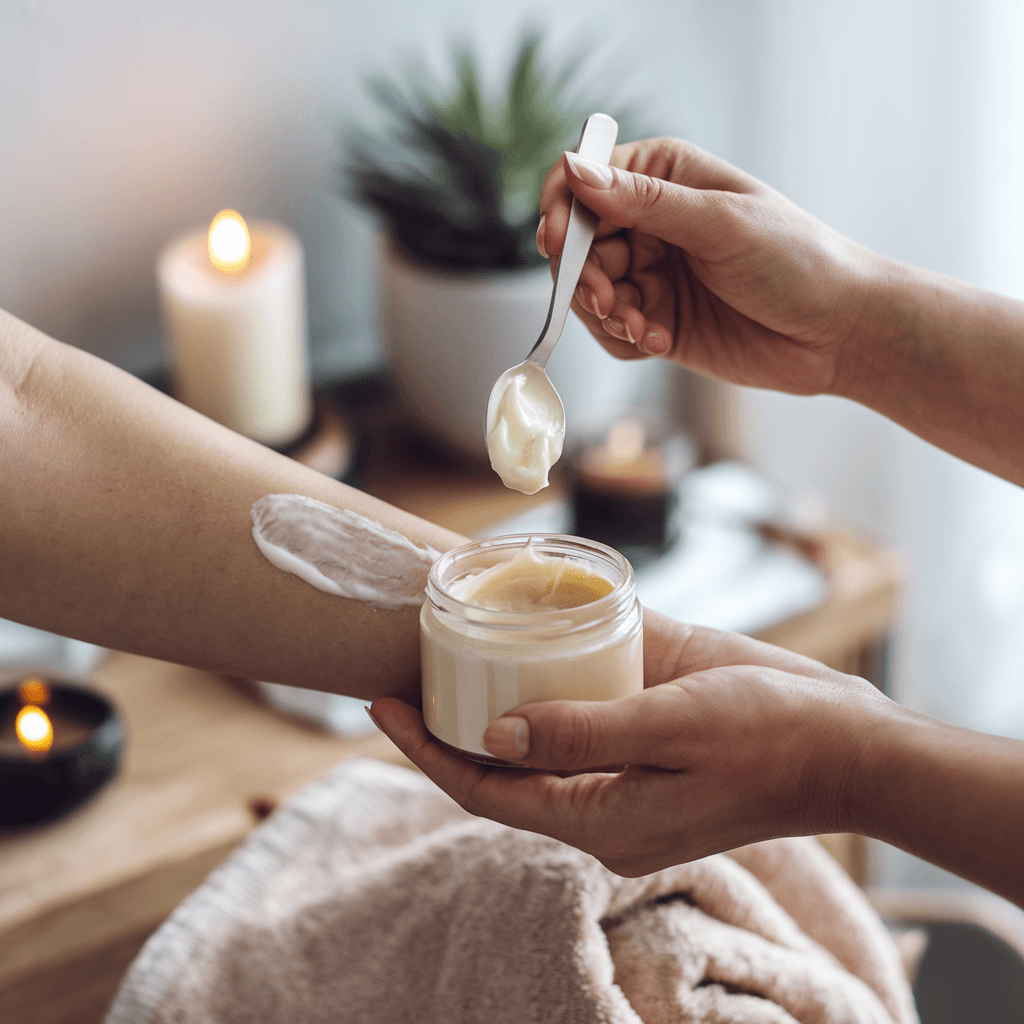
596	143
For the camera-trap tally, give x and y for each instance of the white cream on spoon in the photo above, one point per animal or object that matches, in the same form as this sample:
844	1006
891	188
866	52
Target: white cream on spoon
525	428
525	418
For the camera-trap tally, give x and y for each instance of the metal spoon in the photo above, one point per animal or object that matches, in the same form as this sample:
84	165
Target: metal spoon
597	141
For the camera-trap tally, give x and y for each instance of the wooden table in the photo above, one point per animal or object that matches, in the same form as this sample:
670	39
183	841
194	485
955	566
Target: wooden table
206	760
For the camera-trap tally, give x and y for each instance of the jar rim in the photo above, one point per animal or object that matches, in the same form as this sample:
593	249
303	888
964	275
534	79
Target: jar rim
623	588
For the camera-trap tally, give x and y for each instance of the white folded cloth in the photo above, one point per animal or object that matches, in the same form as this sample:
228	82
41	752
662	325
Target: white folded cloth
371	897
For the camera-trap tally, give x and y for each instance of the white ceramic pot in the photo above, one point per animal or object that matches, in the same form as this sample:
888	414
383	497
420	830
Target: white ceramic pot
450	336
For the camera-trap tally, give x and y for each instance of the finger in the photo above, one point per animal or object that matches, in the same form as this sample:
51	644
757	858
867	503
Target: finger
403	725
624	350
627	295
570	735
614	256
620	349
605	268
672	649
540	239
595	291
526	799
684	163
555	201
670	160
625	321
693	219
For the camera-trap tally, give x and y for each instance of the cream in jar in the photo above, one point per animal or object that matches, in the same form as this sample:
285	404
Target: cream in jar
520	619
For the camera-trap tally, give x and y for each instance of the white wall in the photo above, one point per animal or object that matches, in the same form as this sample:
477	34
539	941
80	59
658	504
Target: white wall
122	123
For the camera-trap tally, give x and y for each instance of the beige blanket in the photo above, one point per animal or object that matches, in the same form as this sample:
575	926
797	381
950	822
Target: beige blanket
371	897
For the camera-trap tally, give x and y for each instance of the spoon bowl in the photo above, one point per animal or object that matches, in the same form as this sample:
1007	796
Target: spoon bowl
525	427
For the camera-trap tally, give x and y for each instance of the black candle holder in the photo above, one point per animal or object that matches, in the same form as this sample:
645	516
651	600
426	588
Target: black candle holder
630	504
37	788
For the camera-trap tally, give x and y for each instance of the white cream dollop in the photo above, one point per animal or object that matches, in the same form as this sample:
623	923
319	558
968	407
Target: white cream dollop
525	428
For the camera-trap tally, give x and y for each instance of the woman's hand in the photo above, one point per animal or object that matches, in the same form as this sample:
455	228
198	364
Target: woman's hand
733	741
699	262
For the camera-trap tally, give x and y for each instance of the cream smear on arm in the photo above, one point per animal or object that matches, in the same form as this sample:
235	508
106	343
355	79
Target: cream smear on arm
341	552
525	430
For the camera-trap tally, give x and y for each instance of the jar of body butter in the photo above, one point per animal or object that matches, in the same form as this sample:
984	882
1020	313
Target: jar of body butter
525	618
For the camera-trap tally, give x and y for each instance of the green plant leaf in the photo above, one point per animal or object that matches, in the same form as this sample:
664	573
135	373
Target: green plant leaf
455	175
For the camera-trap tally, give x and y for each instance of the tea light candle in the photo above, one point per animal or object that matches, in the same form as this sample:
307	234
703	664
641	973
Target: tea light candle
623	489
234	306
59	744
518	619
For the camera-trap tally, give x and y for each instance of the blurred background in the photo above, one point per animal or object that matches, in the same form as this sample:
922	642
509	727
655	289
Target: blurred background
900	123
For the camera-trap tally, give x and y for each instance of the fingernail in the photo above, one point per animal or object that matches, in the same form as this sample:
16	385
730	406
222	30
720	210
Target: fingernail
655	343
374	720
508	738
586	298
590	172
540	237
616	326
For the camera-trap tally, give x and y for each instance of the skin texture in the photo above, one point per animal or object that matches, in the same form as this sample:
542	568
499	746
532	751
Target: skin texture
733	741
126	523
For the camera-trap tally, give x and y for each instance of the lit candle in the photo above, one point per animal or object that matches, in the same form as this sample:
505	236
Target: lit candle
33	732
59	744
625	463
233	299
624	489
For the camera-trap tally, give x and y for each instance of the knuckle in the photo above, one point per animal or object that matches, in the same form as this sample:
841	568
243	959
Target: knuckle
571	737
470	800
647	191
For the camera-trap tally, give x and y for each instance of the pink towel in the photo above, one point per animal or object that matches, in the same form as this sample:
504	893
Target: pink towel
371	897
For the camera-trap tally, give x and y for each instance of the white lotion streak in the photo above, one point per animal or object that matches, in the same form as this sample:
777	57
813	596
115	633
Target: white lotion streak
525	429
341	552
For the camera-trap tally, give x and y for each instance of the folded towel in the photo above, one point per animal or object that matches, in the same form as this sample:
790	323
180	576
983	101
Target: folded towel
372	897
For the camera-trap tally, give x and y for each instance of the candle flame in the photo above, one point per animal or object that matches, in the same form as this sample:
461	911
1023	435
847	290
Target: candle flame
229	241
34	729
625	443
34	691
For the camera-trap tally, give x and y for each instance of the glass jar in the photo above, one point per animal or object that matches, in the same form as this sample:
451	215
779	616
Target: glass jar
478	663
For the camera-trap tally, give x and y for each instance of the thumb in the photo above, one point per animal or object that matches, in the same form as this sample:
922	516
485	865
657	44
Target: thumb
690	218
570	735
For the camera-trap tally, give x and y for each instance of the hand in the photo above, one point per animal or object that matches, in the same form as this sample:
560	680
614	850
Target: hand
699	262
732	741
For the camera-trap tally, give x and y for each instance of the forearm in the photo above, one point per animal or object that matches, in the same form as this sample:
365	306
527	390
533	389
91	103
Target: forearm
945	360
951	796
125	522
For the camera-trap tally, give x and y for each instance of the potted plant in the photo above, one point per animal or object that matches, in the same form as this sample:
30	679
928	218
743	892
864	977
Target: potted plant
456	178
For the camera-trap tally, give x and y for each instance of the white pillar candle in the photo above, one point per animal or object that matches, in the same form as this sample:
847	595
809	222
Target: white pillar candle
236	325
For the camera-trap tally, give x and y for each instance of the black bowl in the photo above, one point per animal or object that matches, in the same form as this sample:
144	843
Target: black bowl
36	790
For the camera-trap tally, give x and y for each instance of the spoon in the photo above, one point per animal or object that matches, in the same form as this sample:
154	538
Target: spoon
525	416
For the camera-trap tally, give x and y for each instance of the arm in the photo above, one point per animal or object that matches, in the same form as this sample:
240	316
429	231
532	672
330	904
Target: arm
735	741
703	264
951	796
945	360
125	522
